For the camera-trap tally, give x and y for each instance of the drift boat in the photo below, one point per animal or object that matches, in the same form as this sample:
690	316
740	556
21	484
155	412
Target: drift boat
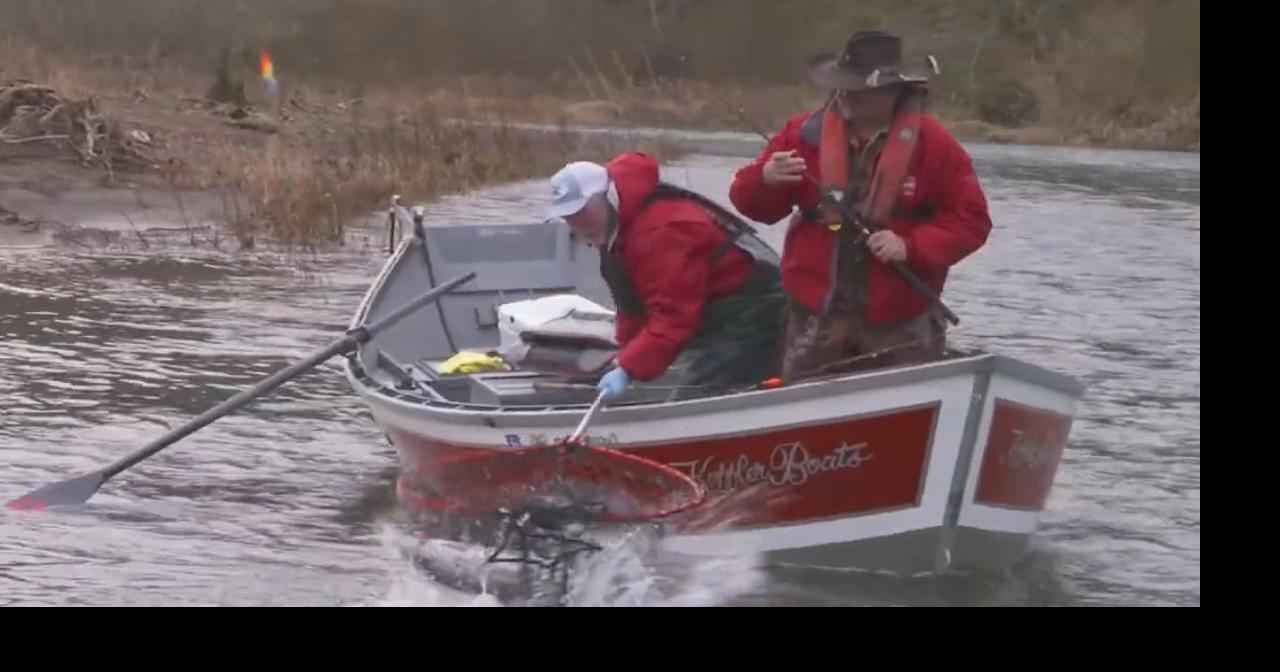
924	468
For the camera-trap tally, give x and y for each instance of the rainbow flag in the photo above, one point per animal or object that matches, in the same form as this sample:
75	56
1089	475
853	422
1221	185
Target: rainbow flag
268	69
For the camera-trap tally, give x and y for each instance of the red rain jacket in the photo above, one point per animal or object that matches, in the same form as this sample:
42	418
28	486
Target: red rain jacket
940	180
666	248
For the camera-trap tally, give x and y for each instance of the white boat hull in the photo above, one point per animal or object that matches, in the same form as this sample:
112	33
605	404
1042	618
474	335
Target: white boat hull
908	461
924	468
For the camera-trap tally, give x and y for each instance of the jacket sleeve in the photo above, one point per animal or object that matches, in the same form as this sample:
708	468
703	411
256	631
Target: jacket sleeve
625	327
757	200
960	222
673	278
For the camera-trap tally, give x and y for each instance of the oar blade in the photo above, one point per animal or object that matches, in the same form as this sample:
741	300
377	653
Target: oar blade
74	492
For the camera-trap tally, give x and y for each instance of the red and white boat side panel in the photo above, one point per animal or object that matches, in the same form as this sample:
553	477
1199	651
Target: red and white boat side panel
1019	446
849	479
783	468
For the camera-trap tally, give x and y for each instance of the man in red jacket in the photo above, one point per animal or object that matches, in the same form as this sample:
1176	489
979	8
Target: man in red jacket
699	297
912	185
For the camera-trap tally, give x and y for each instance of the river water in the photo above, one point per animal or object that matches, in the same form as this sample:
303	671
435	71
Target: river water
1093	269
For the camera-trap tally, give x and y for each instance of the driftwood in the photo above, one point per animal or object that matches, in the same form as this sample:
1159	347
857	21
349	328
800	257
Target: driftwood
38	118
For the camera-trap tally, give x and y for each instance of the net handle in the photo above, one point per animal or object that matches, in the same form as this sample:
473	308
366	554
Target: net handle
576	436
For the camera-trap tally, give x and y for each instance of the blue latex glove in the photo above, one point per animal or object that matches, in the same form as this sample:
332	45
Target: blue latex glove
614	383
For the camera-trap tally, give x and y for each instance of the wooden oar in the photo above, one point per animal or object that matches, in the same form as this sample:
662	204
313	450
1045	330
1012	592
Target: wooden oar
77	491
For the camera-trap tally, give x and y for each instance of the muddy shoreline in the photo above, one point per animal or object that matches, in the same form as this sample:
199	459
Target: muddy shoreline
297	173
48	201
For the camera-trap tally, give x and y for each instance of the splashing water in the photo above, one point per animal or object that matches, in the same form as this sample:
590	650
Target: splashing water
635	570
631	570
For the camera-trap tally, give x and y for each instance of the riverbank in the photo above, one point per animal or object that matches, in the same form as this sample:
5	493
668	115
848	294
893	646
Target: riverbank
105	154
109	148
1105	74
705	106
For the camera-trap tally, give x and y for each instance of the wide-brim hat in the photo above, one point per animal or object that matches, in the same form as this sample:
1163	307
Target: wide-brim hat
871	59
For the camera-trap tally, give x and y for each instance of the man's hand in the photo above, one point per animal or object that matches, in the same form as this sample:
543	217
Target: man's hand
887	246
614	383
783	168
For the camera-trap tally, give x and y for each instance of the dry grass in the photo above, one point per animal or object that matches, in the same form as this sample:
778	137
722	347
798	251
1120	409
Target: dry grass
320	159
1088	62
672	104
707	106
304	191
83	77
339	144
1176	128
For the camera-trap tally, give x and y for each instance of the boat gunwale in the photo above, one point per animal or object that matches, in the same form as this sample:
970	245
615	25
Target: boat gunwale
552	414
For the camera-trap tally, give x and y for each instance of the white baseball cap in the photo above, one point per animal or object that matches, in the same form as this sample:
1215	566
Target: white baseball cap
574	185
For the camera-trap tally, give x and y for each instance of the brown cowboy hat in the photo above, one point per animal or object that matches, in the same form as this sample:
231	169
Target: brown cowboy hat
871	59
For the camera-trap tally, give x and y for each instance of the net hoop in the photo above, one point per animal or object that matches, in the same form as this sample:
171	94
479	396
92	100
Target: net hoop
630	488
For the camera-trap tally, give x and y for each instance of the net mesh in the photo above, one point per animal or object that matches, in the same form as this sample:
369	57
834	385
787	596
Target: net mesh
588	482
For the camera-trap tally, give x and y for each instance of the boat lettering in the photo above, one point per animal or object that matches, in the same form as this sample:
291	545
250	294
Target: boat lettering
790	464
546	440
1030	452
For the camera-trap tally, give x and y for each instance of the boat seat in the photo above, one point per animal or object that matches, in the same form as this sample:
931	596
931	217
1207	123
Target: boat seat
450	386
407	377
523	389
